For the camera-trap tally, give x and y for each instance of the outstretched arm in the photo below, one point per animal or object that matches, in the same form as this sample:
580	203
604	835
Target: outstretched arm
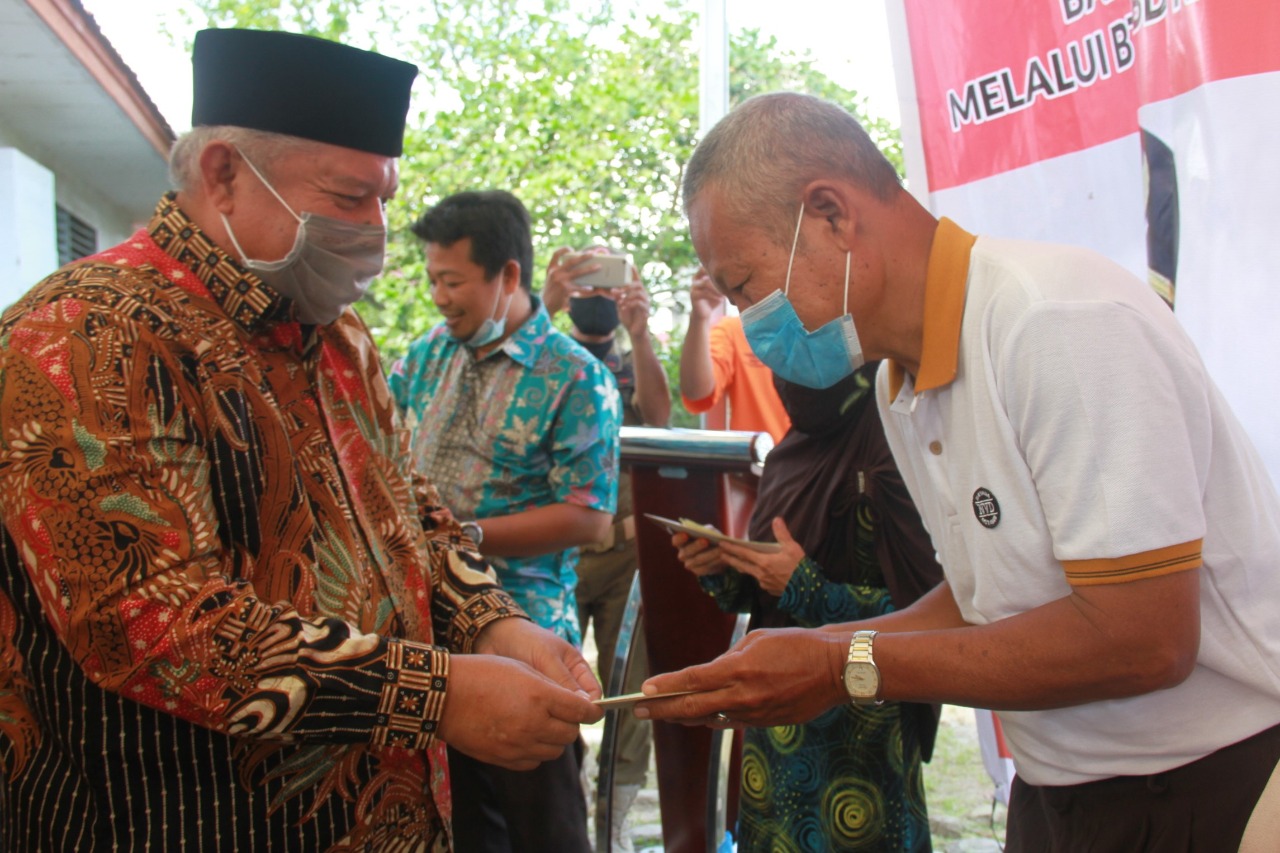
1096	643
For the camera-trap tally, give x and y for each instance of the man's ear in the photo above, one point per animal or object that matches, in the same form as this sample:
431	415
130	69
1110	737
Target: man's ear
510	276
219	167
834	202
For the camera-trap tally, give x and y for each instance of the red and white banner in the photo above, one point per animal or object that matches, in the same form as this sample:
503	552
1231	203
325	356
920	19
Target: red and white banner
1144	129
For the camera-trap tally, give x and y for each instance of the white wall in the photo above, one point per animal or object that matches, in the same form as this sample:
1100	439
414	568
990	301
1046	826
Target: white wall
28	227
28	232
112	224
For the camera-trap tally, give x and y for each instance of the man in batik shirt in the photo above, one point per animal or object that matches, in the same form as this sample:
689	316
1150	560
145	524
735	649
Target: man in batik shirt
222	623
518	426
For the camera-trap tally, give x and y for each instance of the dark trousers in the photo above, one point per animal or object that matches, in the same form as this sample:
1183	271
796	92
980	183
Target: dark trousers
507	811
1201	806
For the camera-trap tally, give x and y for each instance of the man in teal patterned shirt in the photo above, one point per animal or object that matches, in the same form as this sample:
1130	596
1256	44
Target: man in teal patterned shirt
517	425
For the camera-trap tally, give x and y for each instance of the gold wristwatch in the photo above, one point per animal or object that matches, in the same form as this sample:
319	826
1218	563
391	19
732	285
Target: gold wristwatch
861	675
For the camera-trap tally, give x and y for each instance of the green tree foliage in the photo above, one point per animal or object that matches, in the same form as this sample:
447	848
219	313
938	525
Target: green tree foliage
587	112
328	20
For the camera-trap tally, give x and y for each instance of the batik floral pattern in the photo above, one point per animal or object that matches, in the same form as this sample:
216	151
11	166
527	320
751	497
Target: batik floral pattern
219	596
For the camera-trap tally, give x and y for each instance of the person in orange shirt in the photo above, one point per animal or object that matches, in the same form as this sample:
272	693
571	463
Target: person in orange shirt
716	362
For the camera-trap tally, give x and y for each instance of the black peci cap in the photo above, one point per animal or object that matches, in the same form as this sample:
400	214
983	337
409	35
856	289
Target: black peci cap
301	86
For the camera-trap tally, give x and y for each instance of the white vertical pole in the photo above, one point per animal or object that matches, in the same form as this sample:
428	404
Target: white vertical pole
713	103
713	72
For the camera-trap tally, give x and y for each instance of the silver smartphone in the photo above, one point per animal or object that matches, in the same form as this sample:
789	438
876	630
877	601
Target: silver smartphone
615	271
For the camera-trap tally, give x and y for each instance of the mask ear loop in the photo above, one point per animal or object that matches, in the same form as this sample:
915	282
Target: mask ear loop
786	291
506	312
497	300
232	235
272	189
848	256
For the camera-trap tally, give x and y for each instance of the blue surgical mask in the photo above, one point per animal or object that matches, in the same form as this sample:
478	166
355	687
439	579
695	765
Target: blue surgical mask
493	328
817	359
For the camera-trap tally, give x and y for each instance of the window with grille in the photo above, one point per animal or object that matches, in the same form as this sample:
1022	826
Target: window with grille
76	238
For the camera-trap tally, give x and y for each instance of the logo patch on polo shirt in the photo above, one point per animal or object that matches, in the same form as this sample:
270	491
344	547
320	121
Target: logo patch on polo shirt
986	508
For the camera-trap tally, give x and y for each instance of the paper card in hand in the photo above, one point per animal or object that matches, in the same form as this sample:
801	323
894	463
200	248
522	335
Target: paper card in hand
702	531
628	699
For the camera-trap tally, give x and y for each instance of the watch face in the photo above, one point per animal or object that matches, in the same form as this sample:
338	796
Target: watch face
861	680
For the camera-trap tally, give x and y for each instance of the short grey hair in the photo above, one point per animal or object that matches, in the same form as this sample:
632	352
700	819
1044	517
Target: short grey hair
762	154
261	147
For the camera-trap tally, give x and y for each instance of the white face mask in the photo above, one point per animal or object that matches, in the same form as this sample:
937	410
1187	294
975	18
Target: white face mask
331	265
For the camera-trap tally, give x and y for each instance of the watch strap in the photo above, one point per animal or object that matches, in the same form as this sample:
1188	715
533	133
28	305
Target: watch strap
861	652
473	530
861	645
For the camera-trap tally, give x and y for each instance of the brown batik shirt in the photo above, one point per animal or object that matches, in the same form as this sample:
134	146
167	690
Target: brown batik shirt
223	625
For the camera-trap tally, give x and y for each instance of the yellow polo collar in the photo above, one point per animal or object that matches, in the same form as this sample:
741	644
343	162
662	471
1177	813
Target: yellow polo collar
944	290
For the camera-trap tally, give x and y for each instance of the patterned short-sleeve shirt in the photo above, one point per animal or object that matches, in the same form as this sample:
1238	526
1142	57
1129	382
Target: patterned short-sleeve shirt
534	423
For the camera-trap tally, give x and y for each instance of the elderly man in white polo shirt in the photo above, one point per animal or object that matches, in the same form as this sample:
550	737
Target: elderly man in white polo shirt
1108	534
